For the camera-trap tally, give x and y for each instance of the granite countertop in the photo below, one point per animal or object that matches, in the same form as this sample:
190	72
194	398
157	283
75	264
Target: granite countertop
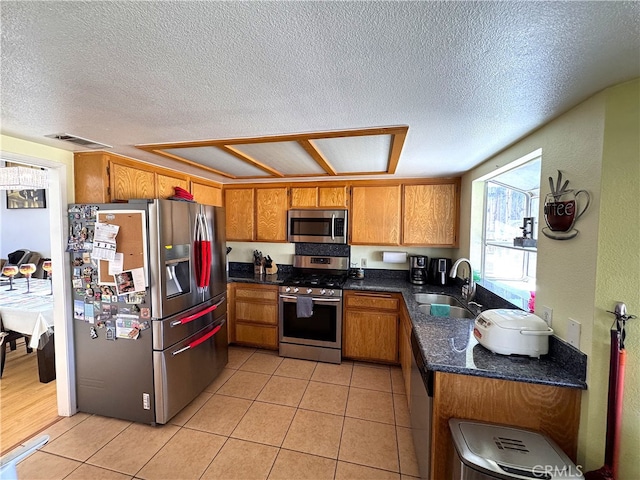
448	344
249	277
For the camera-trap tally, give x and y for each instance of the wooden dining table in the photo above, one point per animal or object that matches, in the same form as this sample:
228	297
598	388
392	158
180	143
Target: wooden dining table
31	314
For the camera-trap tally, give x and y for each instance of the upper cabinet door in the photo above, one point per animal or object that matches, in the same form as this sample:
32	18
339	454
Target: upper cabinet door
91	177
375	215
165	184
304	197
431	215
329	197
128	183
206	194
239	214
271	214
321	197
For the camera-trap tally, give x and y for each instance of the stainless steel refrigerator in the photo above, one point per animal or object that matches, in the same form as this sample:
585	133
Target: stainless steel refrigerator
150	326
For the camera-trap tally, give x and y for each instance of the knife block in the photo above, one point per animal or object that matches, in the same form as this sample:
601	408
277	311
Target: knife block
273	269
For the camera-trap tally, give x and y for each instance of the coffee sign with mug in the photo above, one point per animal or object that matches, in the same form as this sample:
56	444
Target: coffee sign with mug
562	209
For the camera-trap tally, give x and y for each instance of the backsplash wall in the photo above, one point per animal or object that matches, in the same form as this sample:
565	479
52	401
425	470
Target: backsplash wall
282	253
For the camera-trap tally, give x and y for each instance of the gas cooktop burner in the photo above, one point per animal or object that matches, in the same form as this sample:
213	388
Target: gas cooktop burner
317	280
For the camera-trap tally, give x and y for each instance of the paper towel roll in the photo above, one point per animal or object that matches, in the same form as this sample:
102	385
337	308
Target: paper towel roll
394	257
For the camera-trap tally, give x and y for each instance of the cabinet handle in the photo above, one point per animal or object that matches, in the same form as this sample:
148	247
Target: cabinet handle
379	295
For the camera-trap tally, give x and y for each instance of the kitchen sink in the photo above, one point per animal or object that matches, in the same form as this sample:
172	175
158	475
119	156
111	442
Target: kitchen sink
455	312
437	298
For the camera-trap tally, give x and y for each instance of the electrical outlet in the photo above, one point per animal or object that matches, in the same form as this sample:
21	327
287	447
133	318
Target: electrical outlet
363	262
547	314
573	333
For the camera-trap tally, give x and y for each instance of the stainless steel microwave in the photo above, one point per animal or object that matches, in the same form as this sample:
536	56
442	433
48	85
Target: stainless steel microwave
317	226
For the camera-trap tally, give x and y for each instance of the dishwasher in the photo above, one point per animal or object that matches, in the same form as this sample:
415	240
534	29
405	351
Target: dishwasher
421	408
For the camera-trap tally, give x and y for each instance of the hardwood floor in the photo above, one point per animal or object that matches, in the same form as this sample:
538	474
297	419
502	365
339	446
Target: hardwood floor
26	405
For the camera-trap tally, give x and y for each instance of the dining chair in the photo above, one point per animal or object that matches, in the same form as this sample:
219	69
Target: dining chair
9	337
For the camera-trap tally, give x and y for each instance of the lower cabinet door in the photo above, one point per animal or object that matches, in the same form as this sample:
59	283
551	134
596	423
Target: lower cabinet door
369	335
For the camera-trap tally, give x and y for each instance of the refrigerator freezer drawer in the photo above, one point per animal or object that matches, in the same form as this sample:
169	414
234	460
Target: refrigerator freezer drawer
182	371
114	378
168	331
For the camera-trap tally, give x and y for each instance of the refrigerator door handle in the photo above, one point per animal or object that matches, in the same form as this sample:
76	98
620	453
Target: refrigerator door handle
203	251
195	316
200	340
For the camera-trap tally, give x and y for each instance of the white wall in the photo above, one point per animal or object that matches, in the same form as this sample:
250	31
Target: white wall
24	228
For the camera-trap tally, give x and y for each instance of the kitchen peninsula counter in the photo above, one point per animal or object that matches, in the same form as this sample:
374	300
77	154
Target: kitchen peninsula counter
448	345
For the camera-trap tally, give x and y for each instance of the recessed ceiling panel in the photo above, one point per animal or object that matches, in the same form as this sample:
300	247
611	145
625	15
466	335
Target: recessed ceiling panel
288	158
219	160
369	153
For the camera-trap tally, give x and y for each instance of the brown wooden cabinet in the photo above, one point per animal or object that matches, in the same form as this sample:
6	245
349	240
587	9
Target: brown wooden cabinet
239	209
408	214
430	215
255	315
91	177
370	326
206	194
256	214
375	215
101	177
271	214
129	182
554	411
165	185
404	347
320	197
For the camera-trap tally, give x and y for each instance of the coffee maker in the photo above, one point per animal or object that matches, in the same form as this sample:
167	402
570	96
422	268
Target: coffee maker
438	273
418	271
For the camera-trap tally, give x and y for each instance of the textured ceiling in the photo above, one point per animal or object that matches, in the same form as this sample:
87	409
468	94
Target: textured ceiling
467	78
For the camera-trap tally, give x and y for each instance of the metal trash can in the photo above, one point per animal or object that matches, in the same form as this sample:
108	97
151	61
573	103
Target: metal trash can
487	451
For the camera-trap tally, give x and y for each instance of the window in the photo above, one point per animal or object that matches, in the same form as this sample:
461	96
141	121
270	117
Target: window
509	197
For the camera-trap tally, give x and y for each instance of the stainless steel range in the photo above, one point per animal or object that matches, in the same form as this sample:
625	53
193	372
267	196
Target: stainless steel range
311	309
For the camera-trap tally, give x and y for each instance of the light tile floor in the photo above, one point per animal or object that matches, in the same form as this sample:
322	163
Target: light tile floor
264	417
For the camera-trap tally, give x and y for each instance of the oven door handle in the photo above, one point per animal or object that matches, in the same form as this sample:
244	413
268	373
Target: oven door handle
291	297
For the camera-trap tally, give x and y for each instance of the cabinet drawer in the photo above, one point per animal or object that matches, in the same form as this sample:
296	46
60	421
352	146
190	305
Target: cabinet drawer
376	301
257	335
257	294
256	312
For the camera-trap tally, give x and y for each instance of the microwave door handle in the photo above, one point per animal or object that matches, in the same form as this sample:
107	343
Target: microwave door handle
333	226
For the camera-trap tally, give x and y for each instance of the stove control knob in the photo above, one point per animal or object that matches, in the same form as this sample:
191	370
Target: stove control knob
331	292
295	289
287	289
323	291
309	290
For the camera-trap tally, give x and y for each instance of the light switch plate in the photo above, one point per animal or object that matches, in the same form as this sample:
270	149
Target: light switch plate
573	333
547	314
363	262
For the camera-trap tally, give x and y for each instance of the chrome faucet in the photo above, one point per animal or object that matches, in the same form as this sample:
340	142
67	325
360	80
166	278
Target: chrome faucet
469	287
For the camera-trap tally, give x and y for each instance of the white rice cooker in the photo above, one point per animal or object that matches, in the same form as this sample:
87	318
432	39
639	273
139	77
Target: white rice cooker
512	332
